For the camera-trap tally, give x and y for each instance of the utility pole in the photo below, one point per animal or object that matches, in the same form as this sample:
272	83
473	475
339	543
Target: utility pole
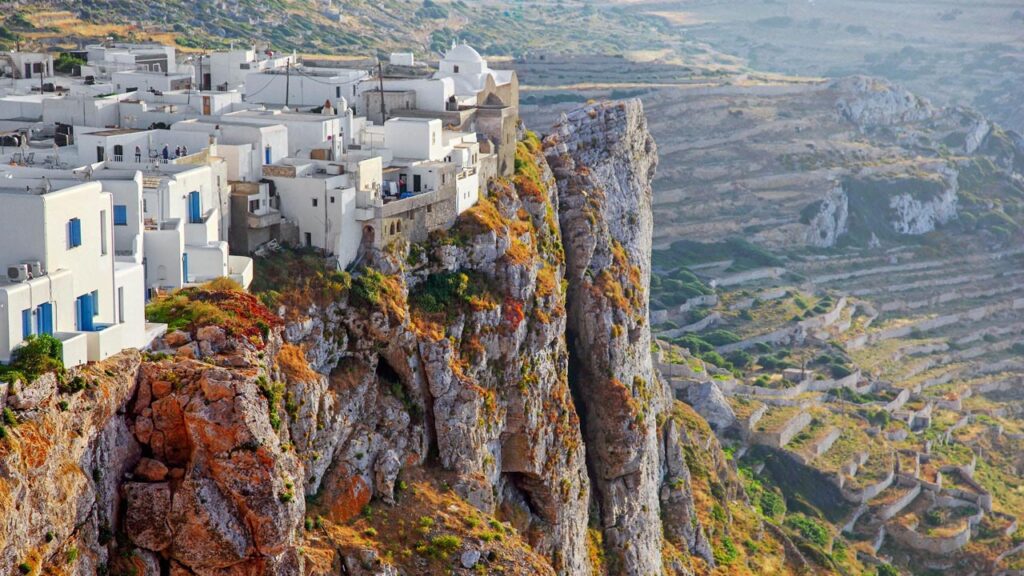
287	81
380	78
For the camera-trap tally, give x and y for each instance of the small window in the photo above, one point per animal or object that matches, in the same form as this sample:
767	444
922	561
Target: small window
120	215
95	294
456	67
74	233
254	205
332	199
316	202
337	91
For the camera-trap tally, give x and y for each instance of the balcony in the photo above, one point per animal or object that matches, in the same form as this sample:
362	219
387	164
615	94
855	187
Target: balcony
75	347
240	269
105	341
271	218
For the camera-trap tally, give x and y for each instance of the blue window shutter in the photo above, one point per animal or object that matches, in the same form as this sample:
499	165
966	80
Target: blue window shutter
195	209
26	323
44	318
120	215
74	232
85	313
266	153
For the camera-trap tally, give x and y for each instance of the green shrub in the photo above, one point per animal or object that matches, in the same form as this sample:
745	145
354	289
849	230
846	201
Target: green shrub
772	504
9	418
39	355
810	530
726	554
887	570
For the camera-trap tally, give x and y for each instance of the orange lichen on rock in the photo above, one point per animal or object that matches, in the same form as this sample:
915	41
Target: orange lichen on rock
292	361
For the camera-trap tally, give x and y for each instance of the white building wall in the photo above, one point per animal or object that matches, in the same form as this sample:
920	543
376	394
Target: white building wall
417	138
302	91
82	110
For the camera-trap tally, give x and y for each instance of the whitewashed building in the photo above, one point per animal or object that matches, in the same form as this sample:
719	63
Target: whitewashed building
59	241
302	86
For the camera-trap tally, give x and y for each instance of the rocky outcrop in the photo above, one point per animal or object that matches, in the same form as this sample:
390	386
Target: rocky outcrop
915	215
828	219
604	160
709	401
61	467
872	103
460	361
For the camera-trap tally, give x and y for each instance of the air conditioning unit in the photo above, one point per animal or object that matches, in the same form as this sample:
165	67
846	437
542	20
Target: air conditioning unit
335	169
17	273
35	267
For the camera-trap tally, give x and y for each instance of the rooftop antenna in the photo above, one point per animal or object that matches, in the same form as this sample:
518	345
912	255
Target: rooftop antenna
287	81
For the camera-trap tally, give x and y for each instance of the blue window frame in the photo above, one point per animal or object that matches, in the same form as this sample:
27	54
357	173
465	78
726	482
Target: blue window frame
195	208
26	323
44	318
74	232
120	215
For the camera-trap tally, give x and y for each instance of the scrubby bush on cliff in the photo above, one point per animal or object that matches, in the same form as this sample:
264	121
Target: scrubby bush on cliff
40	354
810	529
218	303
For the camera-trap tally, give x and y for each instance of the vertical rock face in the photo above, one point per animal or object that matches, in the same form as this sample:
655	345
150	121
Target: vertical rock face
463	357
503	368
604	160
61	467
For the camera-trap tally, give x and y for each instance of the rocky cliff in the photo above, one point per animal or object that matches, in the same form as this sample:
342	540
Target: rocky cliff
604	160
485	401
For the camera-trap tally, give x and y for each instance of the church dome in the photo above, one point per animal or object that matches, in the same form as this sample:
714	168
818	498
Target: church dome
463	53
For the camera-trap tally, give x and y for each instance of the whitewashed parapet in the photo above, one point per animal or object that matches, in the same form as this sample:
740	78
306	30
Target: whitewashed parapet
871	491
784	433
824	444
698	326
898	402
749	276
897	506
940	545
794	333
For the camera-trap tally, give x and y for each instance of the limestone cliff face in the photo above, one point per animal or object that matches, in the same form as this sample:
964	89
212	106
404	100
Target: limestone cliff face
604	160
829	220
470	404
471	379
61	466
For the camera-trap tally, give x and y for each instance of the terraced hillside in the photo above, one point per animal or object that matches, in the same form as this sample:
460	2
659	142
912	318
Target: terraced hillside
878	389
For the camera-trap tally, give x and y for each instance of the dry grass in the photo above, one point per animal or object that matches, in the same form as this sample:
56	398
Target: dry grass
292	360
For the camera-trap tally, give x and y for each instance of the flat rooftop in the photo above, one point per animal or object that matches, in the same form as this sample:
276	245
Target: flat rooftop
116	132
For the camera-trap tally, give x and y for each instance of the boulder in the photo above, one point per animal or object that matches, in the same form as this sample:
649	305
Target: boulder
146	518
151	470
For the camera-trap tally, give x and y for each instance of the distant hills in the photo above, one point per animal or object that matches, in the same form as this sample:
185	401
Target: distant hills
333	26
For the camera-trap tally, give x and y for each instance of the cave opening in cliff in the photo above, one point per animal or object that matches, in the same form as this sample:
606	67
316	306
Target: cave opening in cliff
387	375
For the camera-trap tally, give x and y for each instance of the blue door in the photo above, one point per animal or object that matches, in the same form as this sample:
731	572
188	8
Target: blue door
195	208
85	313
266	155
44	318
184	268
